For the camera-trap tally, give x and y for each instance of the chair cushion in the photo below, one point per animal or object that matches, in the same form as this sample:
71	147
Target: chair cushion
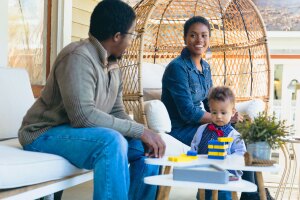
16	98
157	116
250	108
173	146
158	120
152	75
20	168
152	94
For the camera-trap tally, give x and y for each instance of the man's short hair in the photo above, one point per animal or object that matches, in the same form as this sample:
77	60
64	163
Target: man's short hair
110	17
194	20
221	93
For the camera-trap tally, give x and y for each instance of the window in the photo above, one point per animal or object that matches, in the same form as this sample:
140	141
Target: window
26	41
278	81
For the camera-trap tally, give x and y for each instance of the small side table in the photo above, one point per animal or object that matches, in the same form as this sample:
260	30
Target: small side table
236	186
233	162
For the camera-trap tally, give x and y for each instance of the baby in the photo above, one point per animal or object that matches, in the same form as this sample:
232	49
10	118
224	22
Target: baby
221	102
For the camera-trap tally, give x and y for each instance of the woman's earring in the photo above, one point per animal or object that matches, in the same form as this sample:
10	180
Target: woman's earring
208	54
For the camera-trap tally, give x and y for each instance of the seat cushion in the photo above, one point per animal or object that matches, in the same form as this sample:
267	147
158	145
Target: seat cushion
19	168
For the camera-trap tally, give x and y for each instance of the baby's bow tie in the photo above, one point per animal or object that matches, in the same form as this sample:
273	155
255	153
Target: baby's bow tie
211	127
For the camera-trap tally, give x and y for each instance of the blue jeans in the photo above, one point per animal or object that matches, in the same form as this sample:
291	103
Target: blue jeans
222	195
108	153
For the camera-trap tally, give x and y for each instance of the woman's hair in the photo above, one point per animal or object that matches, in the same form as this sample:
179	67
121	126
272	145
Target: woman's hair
221	93
193	20
110	17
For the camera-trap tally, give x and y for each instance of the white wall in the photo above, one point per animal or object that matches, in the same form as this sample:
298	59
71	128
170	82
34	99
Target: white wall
284	42
4	33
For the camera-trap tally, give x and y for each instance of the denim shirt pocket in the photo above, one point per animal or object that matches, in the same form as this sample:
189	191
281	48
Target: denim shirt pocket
195	86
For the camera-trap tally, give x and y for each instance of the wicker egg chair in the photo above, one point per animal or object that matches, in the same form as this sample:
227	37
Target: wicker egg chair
240	57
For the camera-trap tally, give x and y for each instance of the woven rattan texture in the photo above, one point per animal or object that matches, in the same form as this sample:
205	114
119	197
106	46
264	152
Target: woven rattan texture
238	43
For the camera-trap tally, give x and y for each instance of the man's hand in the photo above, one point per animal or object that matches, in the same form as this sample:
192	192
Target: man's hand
153	144
237	117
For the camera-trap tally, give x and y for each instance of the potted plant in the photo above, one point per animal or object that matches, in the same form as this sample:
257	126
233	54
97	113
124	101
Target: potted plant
262	134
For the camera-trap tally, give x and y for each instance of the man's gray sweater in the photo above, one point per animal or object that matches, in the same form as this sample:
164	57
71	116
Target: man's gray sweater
83	90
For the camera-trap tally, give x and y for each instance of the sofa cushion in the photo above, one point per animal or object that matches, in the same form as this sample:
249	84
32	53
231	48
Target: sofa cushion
20	168
16	98
157	116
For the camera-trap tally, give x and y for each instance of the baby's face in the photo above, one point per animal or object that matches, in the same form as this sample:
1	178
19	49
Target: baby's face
221	112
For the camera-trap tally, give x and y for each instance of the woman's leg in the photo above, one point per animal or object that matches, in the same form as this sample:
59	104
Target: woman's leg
222	195
101	149
138	171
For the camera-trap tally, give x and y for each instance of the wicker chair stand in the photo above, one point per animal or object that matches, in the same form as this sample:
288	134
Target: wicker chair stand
238	44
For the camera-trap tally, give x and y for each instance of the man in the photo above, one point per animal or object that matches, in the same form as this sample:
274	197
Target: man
80	114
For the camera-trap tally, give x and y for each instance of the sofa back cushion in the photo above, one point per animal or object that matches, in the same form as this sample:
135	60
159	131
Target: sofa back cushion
16	98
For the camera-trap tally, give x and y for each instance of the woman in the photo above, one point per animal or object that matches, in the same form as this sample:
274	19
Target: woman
187	81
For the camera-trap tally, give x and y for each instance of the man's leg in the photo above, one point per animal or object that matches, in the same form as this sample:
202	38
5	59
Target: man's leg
101	149
138	170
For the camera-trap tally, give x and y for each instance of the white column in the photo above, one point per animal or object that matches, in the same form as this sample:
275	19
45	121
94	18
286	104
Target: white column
4	33
297	116
64	23
61	26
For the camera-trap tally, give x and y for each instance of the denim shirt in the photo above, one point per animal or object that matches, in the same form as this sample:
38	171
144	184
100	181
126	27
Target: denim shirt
184	87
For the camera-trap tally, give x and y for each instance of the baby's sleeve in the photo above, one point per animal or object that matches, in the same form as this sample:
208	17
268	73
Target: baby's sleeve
197	138
238	145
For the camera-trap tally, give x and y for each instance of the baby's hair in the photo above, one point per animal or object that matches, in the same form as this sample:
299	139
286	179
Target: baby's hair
221	93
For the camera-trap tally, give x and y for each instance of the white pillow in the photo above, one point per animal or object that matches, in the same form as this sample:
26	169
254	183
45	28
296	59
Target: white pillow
152	75
16	98
251	108
157	116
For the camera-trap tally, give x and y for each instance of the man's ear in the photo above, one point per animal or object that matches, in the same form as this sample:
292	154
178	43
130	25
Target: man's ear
117	37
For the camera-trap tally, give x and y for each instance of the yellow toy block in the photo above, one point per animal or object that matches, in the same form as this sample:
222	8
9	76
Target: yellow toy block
213	153
182	158
217	153
221	146
225	139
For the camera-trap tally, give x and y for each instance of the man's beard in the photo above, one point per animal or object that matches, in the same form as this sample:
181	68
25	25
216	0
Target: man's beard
112	57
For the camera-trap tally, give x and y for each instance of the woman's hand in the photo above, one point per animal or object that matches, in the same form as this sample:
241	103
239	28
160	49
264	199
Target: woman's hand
237	117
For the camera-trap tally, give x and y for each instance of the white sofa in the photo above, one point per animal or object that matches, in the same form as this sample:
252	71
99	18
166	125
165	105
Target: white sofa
23	174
